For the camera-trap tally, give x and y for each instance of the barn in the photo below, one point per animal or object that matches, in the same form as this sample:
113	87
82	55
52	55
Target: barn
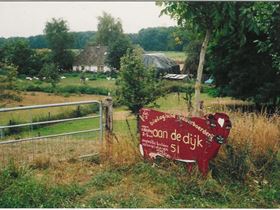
92	59
163	64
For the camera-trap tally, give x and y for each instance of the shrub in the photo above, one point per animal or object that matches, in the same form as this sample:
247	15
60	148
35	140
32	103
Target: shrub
211	91
233	165
69	89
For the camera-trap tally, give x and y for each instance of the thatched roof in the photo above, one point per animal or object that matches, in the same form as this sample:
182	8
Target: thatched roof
92	55
162	63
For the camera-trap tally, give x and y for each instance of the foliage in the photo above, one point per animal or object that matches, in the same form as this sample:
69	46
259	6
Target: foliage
205	19
50	73
81	39
59	40
116	50
19	53
137	84
7	83
84	89
40	41
192	60
108	29
242	67
110	33
161	39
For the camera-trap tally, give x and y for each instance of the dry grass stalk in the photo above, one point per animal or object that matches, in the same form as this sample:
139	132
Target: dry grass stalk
122	151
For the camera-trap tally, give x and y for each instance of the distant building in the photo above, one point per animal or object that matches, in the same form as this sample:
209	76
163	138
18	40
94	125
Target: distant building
163	64
92	58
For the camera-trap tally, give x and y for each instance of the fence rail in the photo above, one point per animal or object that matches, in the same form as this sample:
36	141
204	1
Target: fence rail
44	138
2	127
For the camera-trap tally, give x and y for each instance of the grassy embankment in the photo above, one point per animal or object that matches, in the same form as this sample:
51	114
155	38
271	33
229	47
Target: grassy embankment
246	172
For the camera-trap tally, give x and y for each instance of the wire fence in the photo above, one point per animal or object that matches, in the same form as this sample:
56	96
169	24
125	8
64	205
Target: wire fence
58	131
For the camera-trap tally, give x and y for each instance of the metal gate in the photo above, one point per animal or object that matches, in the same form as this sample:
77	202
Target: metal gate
25	149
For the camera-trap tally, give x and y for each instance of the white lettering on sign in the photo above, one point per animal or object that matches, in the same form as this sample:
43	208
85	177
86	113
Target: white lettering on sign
189	139
192	123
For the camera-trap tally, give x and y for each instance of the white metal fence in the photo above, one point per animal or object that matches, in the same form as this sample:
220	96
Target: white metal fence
26	146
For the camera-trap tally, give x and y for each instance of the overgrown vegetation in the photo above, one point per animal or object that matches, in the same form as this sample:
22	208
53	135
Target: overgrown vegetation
245	174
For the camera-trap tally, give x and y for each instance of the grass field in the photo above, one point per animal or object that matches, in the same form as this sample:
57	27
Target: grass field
104	83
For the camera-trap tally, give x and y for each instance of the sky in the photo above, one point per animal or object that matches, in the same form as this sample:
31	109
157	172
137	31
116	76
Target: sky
29	18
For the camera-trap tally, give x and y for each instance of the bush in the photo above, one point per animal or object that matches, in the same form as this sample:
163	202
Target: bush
211	91
66	89
233	165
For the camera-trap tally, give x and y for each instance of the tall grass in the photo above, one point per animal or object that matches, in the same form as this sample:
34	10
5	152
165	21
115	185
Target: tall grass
252	148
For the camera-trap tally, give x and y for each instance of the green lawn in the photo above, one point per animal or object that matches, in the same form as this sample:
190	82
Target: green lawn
104	83
72	79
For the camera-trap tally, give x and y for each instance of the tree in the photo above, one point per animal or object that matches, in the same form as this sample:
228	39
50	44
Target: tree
108	29
192	60
82	38
206	19
161	39
38	42
110	33
59	40
246	68
116	50
268	19
18	53
50	74
137	85
7	83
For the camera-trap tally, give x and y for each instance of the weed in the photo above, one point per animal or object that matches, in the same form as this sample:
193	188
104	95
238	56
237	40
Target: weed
19	189
42	162
94	159
103	200
116	200
105	179
233	166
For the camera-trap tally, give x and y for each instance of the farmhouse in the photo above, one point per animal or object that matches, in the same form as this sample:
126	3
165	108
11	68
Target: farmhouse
92	58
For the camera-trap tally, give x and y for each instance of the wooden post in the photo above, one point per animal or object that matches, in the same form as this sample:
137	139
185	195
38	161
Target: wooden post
109	114
108	124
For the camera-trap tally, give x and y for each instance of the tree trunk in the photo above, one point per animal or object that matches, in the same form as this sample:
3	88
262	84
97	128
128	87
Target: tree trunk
197	107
